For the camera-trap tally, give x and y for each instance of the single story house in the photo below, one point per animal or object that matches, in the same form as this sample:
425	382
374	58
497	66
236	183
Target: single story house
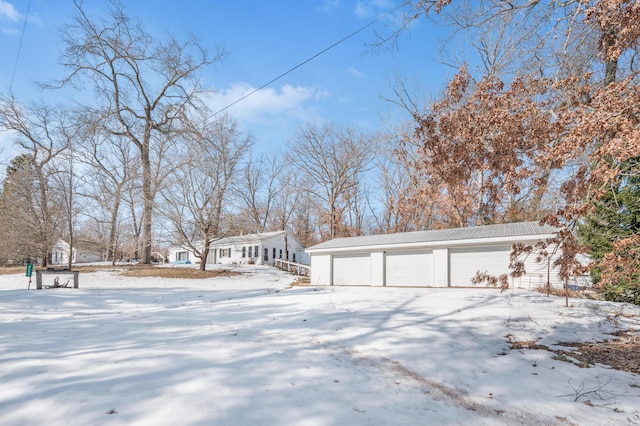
261	248
60	253
83	252
436	258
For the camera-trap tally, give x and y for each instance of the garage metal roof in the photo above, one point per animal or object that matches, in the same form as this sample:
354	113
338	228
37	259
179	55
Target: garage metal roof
439	235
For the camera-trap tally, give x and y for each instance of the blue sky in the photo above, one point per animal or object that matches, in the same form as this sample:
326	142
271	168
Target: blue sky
262	39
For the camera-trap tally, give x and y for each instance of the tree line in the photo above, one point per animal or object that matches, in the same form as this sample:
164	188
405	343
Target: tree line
541	121
146	163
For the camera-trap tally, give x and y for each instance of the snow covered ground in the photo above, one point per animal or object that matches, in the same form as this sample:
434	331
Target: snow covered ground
248	350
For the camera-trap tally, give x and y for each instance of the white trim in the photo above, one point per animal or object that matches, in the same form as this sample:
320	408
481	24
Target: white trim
434	244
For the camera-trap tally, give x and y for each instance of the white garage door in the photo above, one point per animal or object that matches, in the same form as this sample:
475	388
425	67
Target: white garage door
352	269
464	263
409	268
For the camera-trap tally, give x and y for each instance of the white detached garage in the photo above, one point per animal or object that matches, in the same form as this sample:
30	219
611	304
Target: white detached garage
437	258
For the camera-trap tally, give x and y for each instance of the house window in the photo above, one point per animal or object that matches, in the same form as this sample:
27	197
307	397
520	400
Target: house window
244	252
266	255
294	257
280	253
274	253
255	251
182	255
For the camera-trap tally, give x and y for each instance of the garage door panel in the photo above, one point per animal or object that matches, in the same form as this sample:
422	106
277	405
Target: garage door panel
464	263
352	269
409	268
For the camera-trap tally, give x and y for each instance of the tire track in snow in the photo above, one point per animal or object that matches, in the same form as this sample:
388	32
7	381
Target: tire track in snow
440	392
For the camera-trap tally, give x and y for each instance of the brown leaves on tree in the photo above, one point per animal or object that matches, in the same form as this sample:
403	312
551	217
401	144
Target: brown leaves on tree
490	149
620	22
483	145
492	281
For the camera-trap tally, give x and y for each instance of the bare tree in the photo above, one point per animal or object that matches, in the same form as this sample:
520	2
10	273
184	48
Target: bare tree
260	188
66	182
112	166
333	159
40	132
549	38
304	216
143	86
194	202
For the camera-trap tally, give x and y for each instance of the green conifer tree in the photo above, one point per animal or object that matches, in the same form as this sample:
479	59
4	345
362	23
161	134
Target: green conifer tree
614	216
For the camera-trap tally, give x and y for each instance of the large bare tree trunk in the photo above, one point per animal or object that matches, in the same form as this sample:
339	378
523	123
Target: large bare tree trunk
146	88
148	202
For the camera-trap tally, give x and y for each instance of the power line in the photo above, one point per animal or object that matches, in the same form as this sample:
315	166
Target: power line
15	64
305	61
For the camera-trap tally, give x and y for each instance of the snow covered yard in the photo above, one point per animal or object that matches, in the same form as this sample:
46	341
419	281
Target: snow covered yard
248	350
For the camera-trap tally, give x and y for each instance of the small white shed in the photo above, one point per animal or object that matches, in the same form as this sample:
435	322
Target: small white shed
261	249
437	258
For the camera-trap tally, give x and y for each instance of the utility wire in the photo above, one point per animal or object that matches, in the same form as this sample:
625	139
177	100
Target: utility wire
306	61
15	64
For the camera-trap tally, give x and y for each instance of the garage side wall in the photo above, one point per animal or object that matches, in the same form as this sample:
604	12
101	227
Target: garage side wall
441	267
377	269
321	269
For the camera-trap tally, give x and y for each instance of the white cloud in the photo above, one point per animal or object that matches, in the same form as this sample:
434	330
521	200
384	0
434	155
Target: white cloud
353	71
10	17
268	104
272	115
362	10
9	31
366	9
7	11
328	6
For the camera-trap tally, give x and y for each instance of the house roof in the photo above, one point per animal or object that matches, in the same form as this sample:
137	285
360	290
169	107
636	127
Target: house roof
240	240
506	230
247	239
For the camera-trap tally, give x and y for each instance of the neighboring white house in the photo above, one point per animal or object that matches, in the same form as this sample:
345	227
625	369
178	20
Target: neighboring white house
60	254
262	248
438	258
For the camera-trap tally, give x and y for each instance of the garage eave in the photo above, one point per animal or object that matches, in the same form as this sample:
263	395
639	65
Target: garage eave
430	244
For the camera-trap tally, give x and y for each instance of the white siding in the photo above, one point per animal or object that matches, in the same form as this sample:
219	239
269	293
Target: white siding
536	275
321	269
409	268
464	263
441	267
377	268
352	269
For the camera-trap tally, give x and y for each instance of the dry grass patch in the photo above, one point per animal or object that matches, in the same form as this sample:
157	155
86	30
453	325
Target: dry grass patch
136	271
159	272
574	294
10	270
620	354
